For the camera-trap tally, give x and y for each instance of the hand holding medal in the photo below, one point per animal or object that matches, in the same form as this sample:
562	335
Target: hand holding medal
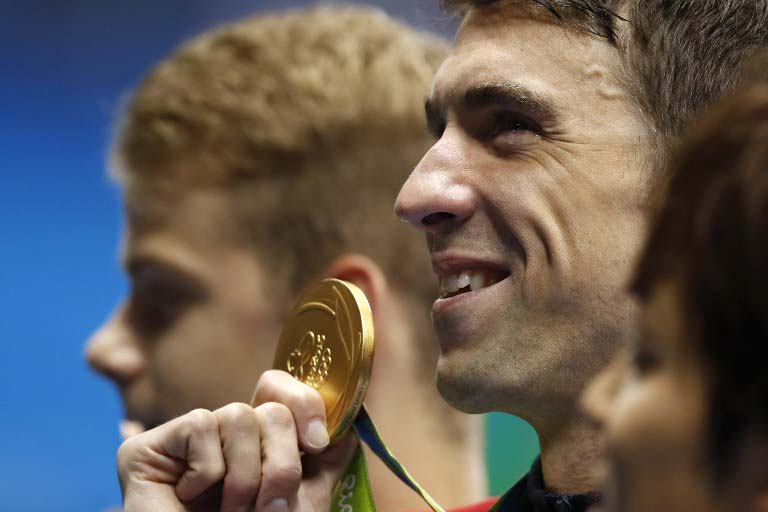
327	343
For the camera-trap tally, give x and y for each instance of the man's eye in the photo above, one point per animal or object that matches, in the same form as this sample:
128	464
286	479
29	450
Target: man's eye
506	121
151	315
644	361
158	297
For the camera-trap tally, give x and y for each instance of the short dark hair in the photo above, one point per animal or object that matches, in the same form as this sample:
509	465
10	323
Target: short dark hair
679	56
711	236
595	16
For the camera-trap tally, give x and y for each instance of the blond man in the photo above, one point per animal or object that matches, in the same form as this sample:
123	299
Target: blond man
257	158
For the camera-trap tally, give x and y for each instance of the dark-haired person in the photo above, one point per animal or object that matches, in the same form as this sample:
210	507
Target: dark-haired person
686	412
552	119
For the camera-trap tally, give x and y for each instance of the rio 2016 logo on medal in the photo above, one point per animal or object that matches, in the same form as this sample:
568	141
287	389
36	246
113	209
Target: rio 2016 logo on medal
311	360
327	343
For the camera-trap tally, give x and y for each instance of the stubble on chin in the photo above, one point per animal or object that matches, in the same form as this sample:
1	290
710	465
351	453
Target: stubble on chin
464	384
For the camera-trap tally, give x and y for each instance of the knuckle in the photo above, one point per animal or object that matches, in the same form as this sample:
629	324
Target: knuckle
307	400
134	457
281	478
277	414
238	414
272	380
126	452
201	421
272	375
240	488
213	471
270	384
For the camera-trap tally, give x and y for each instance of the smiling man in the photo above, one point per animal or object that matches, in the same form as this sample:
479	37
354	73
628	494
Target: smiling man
537	189
552	119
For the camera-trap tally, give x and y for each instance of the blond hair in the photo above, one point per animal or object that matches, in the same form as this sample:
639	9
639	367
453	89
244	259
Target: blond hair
311	119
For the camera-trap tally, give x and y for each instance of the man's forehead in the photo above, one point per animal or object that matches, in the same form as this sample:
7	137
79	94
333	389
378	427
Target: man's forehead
502	11
522	48
464	73
197	221
207	210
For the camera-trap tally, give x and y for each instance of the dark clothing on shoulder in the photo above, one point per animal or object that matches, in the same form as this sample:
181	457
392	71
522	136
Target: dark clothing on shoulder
530	495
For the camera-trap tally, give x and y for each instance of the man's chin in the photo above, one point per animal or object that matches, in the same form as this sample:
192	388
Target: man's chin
462	392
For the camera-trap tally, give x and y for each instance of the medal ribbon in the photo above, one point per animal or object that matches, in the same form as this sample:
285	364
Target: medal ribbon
353	492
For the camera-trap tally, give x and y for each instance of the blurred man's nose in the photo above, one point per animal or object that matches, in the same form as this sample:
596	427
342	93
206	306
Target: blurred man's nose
435	198
599	397
113	351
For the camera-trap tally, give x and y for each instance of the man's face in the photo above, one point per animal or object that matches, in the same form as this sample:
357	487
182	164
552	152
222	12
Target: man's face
202	319
532	203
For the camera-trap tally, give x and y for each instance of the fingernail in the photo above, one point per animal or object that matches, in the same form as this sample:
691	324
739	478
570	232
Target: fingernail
317	434
277	505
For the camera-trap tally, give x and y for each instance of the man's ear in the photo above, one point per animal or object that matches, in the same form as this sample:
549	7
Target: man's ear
361	271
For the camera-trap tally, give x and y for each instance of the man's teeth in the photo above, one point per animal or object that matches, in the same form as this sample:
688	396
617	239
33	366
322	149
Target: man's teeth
477	281
472	279
463	280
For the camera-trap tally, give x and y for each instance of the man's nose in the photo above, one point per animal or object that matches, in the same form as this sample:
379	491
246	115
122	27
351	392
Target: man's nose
113	350
599	397
435	197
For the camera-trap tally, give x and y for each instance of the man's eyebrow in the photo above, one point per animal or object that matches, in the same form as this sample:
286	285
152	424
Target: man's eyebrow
528	100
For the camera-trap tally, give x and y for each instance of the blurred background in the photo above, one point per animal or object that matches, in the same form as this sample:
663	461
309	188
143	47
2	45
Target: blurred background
64	67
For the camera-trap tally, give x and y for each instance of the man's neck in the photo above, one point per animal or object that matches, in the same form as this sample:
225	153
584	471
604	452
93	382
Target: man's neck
569	457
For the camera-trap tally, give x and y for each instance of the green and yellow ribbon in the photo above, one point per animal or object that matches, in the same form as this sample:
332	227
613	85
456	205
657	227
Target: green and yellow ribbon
353	492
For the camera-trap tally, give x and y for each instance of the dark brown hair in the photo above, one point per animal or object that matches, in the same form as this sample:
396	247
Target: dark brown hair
679	56
711	236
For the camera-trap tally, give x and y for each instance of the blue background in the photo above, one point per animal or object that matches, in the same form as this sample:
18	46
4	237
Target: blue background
63	68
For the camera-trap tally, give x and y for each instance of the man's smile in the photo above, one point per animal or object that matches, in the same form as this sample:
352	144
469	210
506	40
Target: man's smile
464	277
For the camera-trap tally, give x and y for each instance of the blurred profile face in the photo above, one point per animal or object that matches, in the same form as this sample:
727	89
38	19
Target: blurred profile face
202	319
531	200
652	407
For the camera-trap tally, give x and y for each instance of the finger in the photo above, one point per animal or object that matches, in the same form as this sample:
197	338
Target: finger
194	438
305	403
141	458
280	459
241	445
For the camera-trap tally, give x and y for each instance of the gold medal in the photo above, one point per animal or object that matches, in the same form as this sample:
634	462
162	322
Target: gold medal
327	343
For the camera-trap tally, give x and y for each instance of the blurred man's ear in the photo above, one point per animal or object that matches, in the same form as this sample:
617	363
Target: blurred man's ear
361	271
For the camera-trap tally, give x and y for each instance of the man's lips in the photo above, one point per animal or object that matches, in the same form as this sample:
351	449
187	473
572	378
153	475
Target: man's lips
459	275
